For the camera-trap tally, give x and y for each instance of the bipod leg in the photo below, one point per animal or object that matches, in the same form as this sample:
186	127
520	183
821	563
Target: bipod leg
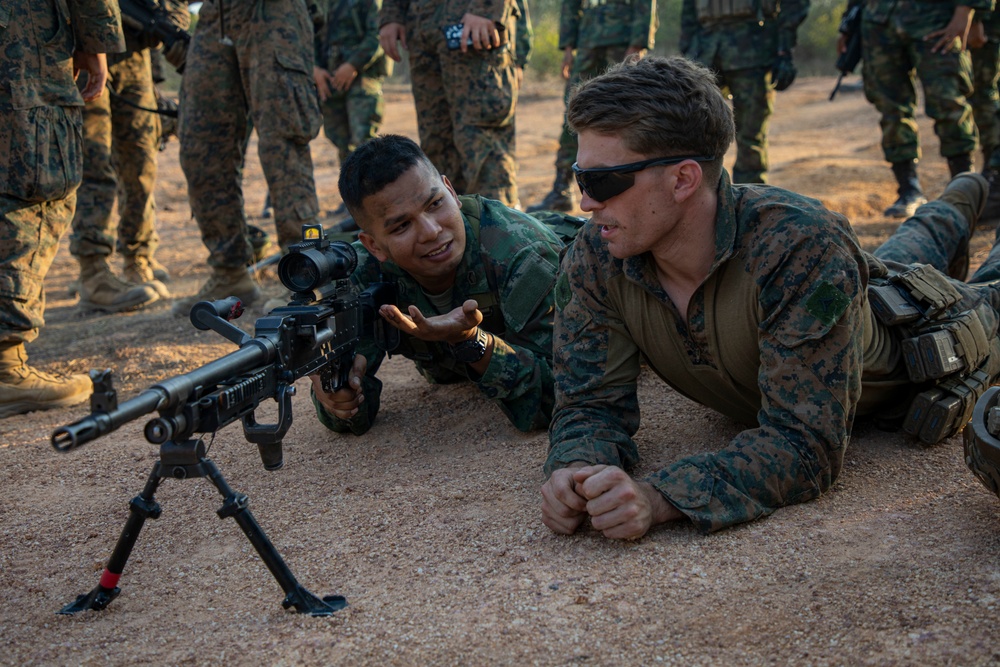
236	505
142	507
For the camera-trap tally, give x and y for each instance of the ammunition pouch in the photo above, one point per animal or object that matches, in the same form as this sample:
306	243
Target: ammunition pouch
949	349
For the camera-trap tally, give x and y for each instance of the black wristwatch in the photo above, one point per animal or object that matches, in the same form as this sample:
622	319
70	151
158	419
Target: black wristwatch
472	350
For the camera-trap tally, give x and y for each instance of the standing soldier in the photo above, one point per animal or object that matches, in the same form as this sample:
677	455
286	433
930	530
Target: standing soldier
748	43
250	65
120	141
350	69
40	146
901	41
464	86
593	34
984	47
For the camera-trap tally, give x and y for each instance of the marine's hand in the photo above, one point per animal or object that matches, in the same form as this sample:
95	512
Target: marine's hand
619	506
324	83
635	52
344	402
957	29
344	77
841	43
563	509
392	36
454	327
96	67
519	76
482	31
567	63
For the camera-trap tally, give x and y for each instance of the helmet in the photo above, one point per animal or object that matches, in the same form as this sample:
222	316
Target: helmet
982	440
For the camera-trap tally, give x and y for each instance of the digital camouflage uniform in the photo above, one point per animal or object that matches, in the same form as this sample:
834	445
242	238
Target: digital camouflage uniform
350	35
509	267
600	31
120	143
249	65
465	102
985	100
740	42
780	336
40	130
893	48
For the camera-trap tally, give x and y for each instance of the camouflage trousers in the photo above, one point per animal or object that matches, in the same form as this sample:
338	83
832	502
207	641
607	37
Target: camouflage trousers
985	100
353	117
465	107
587	63
37	197
890	58
934	235
753	103
120	144
260	77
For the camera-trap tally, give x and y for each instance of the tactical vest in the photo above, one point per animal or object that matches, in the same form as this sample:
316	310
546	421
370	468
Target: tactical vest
716	11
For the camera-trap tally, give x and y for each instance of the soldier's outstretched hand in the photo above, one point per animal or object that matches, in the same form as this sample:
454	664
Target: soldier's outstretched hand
453	327
344	402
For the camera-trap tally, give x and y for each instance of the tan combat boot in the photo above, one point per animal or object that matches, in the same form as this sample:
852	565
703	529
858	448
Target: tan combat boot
140	271
25	389
101	289
967	192
221	284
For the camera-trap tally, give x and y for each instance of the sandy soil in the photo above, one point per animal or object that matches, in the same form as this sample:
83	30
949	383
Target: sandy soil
430	525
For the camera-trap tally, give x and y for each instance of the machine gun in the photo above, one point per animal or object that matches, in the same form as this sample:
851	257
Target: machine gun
847	62
317	333
151	18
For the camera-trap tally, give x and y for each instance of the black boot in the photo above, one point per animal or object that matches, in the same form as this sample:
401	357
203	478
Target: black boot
959	163
563	195
910	194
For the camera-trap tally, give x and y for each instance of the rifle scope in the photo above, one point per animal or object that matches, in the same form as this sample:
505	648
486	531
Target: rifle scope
311	264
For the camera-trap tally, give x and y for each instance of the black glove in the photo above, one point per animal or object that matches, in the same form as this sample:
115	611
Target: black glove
783	72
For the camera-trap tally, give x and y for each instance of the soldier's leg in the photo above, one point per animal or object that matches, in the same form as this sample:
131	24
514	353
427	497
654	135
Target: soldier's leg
213	133
135	146
938	233
93	231
365	110
889	85
947	81
482	92
434	115
286	113
985	100
336	125
753	104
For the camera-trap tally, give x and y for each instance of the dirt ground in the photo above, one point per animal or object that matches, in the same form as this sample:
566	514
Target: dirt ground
430	523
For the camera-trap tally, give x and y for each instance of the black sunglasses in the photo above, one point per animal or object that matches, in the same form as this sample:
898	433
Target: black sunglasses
603	183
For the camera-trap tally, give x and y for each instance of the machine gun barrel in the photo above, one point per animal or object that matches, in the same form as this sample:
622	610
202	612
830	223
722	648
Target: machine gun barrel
164	395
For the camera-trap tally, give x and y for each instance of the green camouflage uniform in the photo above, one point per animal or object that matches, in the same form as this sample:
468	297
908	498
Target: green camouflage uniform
465	102
524	35
600	31
779	336
985	100
249	65
742	49
120	143
40	129
350	35
509	267
893	48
